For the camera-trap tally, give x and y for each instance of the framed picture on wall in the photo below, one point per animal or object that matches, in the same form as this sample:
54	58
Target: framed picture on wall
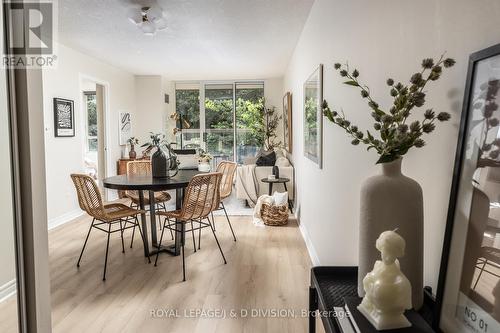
468	295
125	131
64	117
313	118
287	121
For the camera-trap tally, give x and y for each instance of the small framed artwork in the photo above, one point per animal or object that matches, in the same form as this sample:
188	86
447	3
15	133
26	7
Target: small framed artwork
125	131
468	294
287	121
64	117
313	119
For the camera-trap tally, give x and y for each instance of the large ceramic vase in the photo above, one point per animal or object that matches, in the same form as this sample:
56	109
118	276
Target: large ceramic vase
391	200
159	163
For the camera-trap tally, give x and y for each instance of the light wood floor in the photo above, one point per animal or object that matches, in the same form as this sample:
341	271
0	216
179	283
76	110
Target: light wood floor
268	269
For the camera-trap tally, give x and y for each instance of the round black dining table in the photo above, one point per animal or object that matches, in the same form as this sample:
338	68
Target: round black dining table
143	183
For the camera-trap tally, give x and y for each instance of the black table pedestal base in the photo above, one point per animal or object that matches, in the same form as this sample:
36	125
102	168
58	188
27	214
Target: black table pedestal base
143	183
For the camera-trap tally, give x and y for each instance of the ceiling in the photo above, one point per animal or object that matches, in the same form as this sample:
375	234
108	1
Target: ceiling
205	39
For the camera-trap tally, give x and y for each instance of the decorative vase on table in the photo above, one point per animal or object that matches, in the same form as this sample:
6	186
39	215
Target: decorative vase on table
159	163
204	159
163	163
204	166
132	154
391	200
132	141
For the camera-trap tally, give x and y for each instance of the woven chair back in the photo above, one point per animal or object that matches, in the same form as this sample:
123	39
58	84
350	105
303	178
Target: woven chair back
142	167
89	197
137	168
227	169
202	196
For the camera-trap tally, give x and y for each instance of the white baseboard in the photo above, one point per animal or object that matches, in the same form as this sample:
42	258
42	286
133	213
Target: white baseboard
65	218
7	290
310	247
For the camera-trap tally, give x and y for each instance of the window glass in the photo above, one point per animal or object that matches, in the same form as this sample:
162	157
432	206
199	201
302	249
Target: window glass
249	119
219	119
187	122
230	120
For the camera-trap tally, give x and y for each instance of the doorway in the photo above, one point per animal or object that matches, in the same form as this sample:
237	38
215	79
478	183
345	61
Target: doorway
94	120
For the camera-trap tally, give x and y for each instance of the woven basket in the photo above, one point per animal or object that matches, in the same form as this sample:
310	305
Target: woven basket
274	215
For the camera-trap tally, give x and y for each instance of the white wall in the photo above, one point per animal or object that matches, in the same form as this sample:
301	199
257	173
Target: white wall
382	39
65	155
168	87
150	110
153	114
7	245
273	93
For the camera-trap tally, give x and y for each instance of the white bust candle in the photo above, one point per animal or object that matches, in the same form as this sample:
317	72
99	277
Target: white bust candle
388	291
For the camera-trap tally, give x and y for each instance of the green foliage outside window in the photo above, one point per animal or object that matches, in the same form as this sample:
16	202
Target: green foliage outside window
188	104
91	122
92	115
251	115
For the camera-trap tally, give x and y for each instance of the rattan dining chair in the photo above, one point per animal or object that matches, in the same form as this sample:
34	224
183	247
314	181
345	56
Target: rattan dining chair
227	169
201	196
90	200
143	167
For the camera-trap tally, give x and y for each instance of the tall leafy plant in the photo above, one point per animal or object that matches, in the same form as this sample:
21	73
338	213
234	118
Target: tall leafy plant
157	140
272	120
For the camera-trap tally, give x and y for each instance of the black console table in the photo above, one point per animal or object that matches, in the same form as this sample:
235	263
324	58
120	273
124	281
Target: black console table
330	286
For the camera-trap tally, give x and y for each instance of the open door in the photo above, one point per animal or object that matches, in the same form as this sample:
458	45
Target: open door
101	142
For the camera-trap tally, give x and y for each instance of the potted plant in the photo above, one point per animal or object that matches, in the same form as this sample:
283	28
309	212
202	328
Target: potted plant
204	159
391	200
132	154
163	159
272	120
181	123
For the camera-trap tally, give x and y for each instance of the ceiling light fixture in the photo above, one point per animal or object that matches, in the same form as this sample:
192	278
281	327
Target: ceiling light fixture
148	19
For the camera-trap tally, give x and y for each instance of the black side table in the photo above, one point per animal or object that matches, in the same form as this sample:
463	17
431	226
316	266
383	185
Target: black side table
283	181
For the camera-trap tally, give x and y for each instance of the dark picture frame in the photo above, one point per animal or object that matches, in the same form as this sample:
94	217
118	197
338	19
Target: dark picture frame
313	117
453	304
64	117
287	122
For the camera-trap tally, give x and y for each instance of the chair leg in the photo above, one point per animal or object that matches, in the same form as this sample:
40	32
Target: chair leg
133	234
159	244
135	224
121	234
106	257
84	244
142	236
228	221
183	264
213	219
220	249
199	236
192	233
183	243
158	217
165	210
